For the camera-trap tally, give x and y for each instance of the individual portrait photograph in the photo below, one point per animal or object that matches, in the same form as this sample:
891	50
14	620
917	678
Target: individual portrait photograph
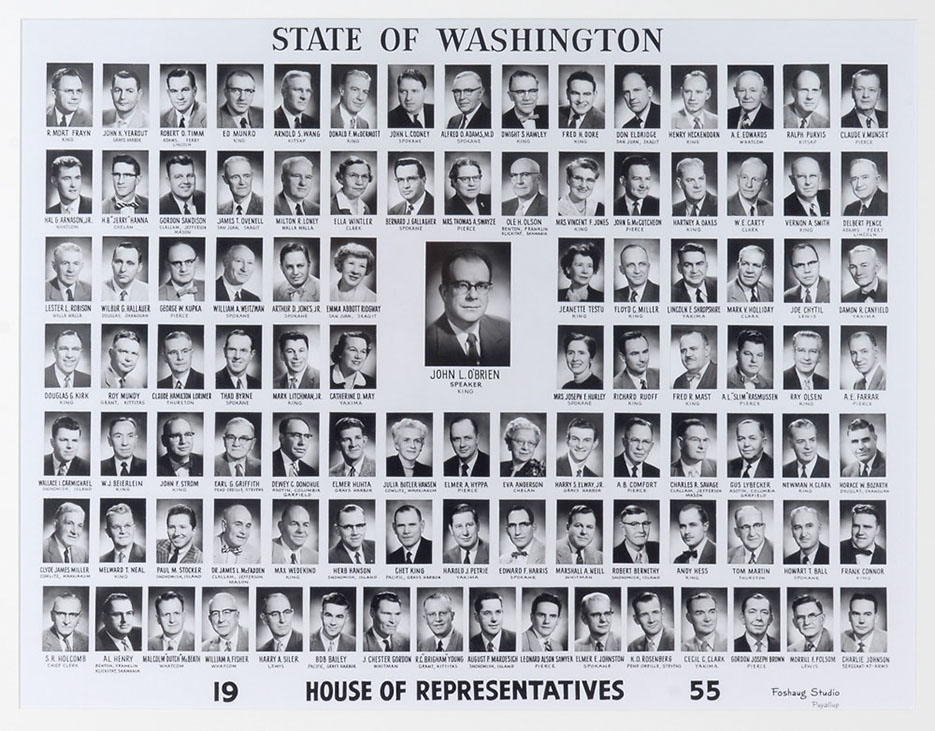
522	532
332	624
299	275
69	95
635	440
863	532
579	366
466	448
181	358
636	531
864	183
544	613
119	619
693	532
239	350
862	445
171	619
353	357
70	181
750	184
124	357
636	357
691	354
184	526
579	445
582	103
639	96
863	357
123	444
279	619
807	188
65	527
806	537
296	351
524	440
237	530
584	185
694	266
636	184
299	190
239	269
237	445
409	449
524	180
353	276
182	269
352	186
467	532
804	261
805	361
750	97
753	532
579	535
750	271
864	271
128	259
240	183
185	103
240	93
122	534
350	524
810	619
751	367
636	270
182	189
126	183
296	454
387	621
352	450
693	97
411	177
69	610
750	451
442	618
757	620
493	614
409	527
694	184
66	277
694	445
470	183
69	437
806	98
411	96
704	619
863	613
469	105
180	445
225	619
806	446
652	615
525	97
69	358
864	96
350	102
297	96
599	619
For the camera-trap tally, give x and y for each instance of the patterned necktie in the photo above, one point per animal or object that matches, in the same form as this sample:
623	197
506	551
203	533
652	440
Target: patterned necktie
353	124
580	472
697	123
238	470
227	645
803	475
238	295
357	557
860	646
547	644
295	469
239	210
864	470
489	646
123	295
352	472
121	557
635	211
868	122
633	295
409	557
293	559
804	560
579	559
807	299
122	382
125	645
293	382
63	470
759	645
809	646
753	295
186	211
70	294
636	471
599	646
68	380
409	208
803	123
67	554
472	353
745	122
640	557
813	211
439	647
174	556
752	558
61	121
178	384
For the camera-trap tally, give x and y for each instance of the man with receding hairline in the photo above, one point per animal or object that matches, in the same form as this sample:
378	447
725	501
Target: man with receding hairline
467	88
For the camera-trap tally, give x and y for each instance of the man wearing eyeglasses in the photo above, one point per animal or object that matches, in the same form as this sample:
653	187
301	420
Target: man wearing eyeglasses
235	460
636	546
64	635
523	90
810	286
410	179
178	437
182	263
295	442
352	546
177	349
637	444
750	528
465	335
230	635
277	614
238	112
808	616
525	175
465	178
527	550
468	92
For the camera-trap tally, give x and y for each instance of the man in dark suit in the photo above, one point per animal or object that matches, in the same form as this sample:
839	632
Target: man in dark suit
412	111
276	613
805	526
386	613
298	374
865	182
693	528
636	176
865	91
409	527
751	111
802	435
756	615
121	529
467	88
633	348
634	265
807	350
488	613
170	615
237	174
183	198
581	439
178	438
869	461
526	113
410	179
238	261
353	92
297	94
525	175
691	180
807	198
117	633
295	442
239	351
806	270
464	528
67	543
122	437
636	548
468	460
863	264
185	111
63	373
580	112
237	112
335	611
236	461
638	96
66	179
694	284
67	93
352	546
297	176
862	546
438	613
409	437
64	460
465	177
465	334
700	371
638	442
753	463
647	613
63	635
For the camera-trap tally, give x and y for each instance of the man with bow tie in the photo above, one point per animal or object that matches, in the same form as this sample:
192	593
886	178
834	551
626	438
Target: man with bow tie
861	548
232	545
299	285
526	113
182	264
693	525
125	174
526	549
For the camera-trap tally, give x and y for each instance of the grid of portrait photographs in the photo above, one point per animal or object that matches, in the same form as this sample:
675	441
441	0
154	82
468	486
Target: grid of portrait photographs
454	364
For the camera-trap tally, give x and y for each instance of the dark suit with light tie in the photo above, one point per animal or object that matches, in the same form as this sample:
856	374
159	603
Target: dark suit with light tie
105	644
195	380
77	468
338	554
741	645
762	120
793	207
650	293
791	382
84	206
650	548
764	468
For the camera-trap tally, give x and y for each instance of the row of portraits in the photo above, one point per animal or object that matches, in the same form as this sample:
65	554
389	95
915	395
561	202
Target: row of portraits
467	96
693	445
403	619
419	532
637	184
642	357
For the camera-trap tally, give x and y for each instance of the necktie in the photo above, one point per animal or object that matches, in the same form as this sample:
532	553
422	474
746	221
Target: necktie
357	557
752	558
575	120
547	644
745	122
331	647
635	211
298	209
123	295
238	296
807	299
353	122
121	557
409	208
293	560
416	122
464	470
804	560
813	211
280	646
472	353
489	646
409	557
293	382
294	472
174	556
68	380
641	556
864	211
296	294
809	646
238	470
693	211
124	472
236	550
753	295
70	294
68	644
239	384
803	123
243	123
633	295
439	647
579	559
868	122
803	474
297	121
861	551
181	122
61	121
239	210
579	473
122	382
752	211
746	471
227	645
352	472
862	384
697	123
599	646
706	646
463	124
864	470
178	384
467	557
125	645
63	470
67	554
386	644
643	385
860	646
759	645
636	471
